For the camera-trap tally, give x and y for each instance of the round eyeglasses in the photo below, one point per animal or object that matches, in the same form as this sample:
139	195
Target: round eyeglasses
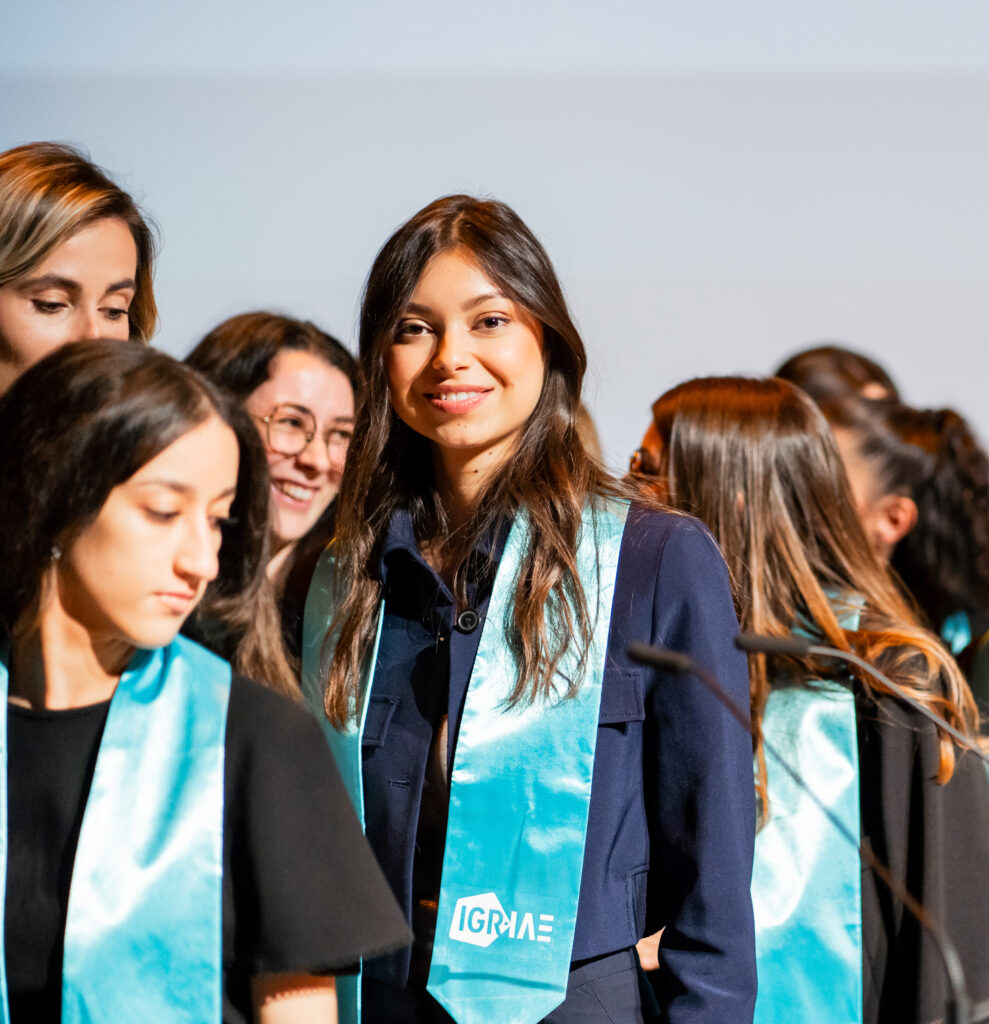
290	429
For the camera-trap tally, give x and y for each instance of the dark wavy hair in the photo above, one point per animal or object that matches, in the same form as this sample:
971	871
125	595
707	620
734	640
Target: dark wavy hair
933	457
237	353
757	462
389	466
833	375
49	192
82	421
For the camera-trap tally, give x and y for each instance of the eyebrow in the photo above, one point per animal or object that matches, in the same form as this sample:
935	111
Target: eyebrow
415	307
67	284
127	284
50	281
182	488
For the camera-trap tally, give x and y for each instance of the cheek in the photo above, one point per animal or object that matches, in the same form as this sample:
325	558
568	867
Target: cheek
102	576
403	363
277	461
529	373
118	331
30	339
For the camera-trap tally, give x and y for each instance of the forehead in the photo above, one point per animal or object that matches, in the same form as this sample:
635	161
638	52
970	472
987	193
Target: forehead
303	378
104	247
204	459
453	274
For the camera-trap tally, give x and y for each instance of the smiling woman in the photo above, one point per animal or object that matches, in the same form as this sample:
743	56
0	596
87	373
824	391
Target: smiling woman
300	385
75	257
204	824
466	638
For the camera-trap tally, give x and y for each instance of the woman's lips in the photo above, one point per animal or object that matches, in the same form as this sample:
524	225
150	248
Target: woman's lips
175	602
456	401
292	495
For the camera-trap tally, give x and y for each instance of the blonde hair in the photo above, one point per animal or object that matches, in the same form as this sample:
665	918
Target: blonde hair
48	192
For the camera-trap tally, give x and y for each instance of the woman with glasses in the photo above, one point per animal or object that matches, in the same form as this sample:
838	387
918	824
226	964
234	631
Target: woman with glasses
299	385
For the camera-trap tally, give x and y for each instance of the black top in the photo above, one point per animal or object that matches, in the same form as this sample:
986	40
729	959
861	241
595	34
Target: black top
301	891
934	838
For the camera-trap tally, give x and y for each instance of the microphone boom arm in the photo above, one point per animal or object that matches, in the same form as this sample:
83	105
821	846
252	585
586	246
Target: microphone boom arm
681	664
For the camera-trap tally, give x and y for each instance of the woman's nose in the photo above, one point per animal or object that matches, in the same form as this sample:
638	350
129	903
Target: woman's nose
198	556
452	351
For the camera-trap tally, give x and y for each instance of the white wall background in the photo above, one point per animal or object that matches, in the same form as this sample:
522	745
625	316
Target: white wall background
719	183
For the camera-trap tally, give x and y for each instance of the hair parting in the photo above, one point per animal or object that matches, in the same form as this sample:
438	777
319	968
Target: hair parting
119	405
550	476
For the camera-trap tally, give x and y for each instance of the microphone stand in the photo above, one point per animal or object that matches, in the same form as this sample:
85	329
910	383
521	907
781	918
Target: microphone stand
796	646
959	1007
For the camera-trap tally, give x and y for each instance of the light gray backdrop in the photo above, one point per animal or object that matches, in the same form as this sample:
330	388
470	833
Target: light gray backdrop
718	183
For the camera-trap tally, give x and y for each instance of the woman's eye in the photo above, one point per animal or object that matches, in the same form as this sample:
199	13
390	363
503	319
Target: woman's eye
411	330
47	307
160	515
219	522
490	323
115	314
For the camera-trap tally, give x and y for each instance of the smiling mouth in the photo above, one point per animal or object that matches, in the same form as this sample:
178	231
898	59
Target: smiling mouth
297	494
456	401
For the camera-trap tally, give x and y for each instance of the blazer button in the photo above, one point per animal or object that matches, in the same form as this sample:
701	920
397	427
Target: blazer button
468	620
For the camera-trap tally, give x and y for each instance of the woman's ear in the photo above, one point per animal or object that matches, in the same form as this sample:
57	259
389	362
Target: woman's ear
891	518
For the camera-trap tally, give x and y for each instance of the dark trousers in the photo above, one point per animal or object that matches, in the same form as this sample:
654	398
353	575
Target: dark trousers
602	991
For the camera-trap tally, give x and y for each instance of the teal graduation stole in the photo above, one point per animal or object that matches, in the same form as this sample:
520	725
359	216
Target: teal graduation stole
956	632
143	935
806	878
519	797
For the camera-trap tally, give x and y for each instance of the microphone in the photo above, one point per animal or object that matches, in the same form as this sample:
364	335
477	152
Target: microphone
678	663
800	647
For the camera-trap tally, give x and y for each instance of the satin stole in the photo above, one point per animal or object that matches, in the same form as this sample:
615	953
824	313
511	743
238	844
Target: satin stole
519	796
143	934
807	878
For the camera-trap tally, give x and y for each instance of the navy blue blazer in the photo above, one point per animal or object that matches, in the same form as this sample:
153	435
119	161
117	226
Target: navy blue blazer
672	813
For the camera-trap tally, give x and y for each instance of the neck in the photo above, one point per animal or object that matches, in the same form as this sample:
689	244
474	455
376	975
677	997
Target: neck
278	564
63	665
461	476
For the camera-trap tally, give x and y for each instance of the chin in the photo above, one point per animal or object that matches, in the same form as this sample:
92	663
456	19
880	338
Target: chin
291	531
150	636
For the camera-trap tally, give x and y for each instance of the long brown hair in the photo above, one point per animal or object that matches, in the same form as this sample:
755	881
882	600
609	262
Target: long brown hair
118	405
933	457
49	192
757	462
389	466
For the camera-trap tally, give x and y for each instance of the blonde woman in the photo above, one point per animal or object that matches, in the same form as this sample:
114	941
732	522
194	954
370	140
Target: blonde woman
76	257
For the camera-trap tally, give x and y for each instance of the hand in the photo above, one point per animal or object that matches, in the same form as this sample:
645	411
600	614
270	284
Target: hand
294	999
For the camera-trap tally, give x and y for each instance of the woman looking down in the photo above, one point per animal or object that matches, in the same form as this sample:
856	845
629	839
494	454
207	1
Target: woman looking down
178	845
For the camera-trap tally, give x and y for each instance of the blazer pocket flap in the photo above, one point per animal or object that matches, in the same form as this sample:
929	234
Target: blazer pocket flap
623	696
379	715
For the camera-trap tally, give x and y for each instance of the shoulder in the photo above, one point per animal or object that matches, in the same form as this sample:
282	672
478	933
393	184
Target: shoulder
660	544
260	720
900	743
